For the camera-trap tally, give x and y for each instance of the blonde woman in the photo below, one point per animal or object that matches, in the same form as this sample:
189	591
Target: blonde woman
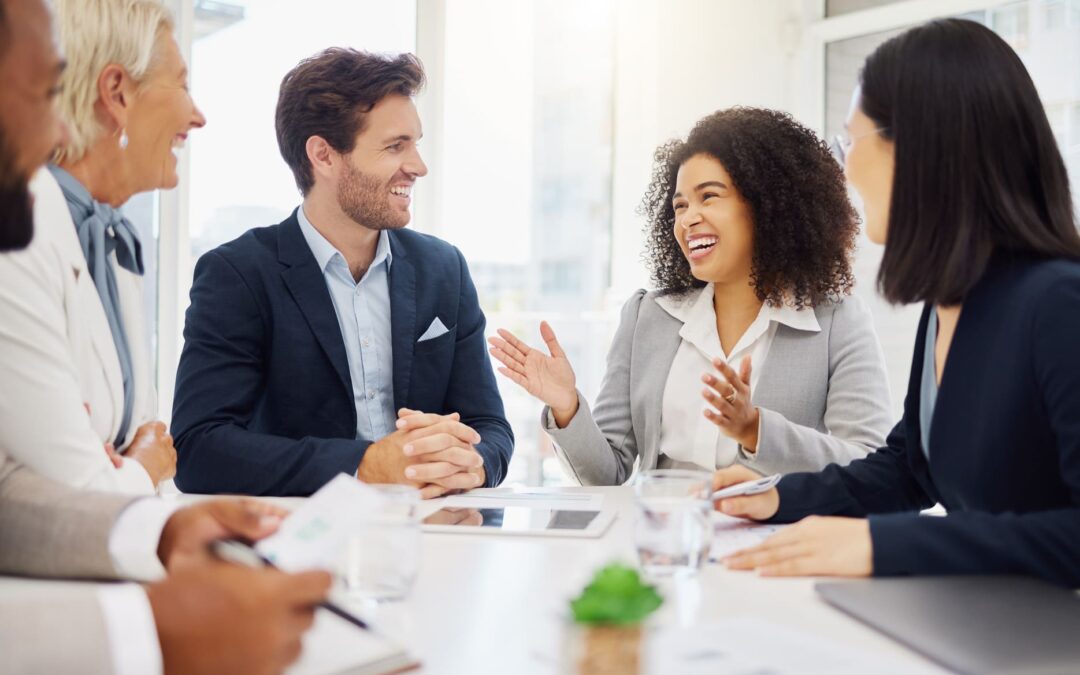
71	346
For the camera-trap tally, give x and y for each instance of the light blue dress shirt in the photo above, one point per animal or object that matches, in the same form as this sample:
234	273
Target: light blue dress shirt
928	386
363	313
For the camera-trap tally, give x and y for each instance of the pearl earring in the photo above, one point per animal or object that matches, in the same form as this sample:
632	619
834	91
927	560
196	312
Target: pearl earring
123	139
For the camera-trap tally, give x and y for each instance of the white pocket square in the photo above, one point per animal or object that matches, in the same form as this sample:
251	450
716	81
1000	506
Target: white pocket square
434	330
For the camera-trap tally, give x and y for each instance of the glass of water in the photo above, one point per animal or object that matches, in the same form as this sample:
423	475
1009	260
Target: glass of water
382	557
673	530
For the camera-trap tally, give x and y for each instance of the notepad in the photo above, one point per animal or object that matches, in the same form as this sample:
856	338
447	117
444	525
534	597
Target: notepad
313	535
335	646
731	535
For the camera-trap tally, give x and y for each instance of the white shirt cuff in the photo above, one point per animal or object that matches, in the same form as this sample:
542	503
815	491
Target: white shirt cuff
129	624
133	541
135	477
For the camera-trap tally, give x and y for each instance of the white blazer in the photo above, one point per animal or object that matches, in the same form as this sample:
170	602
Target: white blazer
57	354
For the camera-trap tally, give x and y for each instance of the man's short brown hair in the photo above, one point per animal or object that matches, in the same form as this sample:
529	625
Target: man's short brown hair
329	95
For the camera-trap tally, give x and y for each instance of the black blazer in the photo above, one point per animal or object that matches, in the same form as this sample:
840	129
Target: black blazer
1004	442
264	402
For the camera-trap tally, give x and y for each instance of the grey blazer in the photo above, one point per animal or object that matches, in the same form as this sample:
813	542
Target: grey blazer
52	530
823	397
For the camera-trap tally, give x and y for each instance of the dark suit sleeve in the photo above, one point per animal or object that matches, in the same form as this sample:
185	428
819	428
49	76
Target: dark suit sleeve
218	383
1039	543
882	482
473	392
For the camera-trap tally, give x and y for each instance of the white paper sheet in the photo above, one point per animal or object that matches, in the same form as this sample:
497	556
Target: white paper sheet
752	646
735	534
335	646
313	536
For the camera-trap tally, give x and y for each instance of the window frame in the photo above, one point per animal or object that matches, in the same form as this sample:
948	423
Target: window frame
822	30
174	246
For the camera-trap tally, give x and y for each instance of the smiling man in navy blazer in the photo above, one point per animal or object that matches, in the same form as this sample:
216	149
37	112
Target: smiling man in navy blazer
337	341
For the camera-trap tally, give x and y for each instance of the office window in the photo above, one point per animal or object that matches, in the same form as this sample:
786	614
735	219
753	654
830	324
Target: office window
838	7
1055	14
1011	23
1060	14
142	211
1049	50
895	325
1058	117
240	52
1074	133
523	159
526	182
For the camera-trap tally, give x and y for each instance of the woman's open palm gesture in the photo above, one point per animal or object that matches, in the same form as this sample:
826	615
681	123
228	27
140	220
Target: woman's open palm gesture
549	378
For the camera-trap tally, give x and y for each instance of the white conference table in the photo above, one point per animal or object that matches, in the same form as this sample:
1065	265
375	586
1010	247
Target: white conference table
493	604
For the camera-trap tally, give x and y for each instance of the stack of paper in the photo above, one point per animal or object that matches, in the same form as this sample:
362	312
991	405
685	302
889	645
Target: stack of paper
314	535
734	534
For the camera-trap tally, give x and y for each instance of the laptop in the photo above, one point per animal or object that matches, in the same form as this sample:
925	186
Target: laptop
971	624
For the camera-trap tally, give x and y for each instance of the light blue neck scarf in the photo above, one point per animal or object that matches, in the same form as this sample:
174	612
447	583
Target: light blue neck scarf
103	230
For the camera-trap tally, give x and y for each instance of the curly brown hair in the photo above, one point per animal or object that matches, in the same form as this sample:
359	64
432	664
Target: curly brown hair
804	225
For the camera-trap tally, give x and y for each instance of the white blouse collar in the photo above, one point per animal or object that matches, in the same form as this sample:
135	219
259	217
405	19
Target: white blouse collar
695	310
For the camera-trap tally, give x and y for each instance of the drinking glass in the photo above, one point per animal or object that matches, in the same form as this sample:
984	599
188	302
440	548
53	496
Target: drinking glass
381	558
673	530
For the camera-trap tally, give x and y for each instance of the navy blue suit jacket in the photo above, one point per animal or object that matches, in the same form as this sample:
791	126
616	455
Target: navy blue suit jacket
1004	442
264	402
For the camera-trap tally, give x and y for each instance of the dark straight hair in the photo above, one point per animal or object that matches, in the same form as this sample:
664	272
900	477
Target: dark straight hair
977	167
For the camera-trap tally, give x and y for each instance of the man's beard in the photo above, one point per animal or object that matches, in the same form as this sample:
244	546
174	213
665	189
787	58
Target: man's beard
16	204
367	201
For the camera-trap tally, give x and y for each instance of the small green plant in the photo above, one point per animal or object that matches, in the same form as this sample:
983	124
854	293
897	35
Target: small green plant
616	596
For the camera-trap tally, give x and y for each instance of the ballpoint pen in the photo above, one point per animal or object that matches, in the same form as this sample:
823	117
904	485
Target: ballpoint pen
239	553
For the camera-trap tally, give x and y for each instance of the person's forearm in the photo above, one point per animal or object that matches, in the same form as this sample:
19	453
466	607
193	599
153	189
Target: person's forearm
879	483
782	446
595	455
228	459
130	478
135	538
496	449
50	529
1045	544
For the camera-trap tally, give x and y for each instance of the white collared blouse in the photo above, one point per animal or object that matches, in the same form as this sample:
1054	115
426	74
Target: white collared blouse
686	435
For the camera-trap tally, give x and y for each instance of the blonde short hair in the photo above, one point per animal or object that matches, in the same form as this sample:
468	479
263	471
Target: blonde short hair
94	34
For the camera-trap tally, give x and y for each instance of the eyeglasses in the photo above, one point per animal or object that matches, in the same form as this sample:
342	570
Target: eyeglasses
842	143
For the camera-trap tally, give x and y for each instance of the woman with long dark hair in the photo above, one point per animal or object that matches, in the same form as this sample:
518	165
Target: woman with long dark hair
951	151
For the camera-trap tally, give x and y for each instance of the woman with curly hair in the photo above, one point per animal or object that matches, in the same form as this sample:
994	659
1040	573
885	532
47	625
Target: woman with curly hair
750	236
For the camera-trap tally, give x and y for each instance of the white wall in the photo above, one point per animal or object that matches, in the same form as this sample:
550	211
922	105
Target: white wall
676	63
